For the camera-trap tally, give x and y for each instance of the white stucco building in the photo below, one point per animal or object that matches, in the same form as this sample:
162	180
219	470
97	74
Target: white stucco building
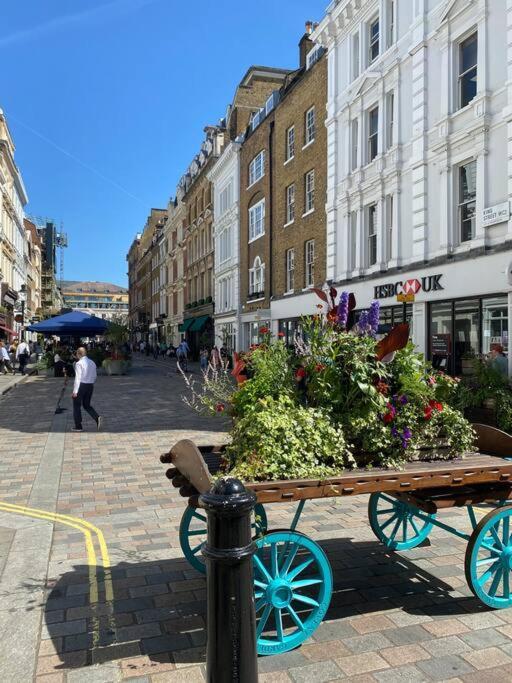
225	178
419	122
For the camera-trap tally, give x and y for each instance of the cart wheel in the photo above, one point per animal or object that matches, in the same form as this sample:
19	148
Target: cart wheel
193	533
488	562
293	588
395	523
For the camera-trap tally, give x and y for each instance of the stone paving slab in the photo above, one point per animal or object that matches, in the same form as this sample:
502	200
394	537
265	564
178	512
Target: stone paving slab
393	616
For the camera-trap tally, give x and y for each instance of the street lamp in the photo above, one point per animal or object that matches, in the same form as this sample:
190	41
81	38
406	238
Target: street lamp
23	292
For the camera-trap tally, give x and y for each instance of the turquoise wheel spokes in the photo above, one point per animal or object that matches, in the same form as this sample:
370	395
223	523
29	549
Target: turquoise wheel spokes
395	523
488	562
193	533
292	590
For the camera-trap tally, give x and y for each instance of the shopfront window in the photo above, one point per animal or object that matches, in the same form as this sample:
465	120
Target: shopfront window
253	331
495	324
289	329
465	328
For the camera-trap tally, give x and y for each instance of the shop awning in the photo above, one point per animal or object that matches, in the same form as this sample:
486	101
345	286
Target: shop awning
185	325
199	323
8	330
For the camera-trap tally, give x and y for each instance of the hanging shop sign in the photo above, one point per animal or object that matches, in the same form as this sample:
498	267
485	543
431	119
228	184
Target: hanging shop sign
408	298
495	214
429	283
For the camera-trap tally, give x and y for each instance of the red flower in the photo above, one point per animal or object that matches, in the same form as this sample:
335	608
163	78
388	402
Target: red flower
435	405
319	367
427	412
300	373
220	407
264	330
388	417
281	334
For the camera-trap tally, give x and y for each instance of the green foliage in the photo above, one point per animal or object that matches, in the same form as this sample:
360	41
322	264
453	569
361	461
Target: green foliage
279	439
270	374
117	334
504	410
97	355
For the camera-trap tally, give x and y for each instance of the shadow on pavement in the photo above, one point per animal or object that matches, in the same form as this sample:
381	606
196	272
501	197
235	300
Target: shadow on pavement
148	399
159	609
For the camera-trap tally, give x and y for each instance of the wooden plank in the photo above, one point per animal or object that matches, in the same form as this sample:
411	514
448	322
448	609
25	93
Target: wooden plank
493	440
475	469
432	500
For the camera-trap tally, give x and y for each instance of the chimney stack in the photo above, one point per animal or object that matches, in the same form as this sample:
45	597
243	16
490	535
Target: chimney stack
309	27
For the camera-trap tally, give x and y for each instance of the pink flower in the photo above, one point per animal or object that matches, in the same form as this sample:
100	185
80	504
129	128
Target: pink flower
300	374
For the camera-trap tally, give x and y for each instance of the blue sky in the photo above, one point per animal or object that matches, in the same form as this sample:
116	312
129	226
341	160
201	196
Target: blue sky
107	100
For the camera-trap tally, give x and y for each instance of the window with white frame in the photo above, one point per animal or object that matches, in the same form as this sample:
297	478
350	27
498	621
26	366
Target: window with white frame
353	241
390	15
468	69
225	198
257	168
390	202
309	258
257	220
390	120
290	203
257	277
373	134
354	132
309	191
373	39
309	126
356	64
290	270
371	234
290	143
467	201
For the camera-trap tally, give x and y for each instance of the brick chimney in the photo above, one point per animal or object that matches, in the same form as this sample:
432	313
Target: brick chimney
305	44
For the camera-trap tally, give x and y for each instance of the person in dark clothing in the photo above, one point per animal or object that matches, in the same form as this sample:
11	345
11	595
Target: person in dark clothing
85	376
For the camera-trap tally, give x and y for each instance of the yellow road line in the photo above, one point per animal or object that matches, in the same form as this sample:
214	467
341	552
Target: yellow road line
86	528
67	519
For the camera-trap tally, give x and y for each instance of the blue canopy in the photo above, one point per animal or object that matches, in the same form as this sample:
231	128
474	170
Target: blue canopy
74	324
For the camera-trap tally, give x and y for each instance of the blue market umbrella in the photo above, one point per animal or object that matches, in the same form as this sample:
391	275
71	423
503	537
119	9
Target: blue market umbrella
75	324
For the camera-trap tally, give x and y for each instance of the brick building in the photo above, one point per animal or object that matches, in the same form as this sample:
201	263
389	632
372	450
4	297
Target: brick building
140	276
253	91
300	185
282	200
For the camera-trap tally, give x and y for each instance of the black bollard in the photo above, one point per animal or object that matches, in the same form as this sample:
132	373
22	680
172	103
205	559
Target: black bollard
231	647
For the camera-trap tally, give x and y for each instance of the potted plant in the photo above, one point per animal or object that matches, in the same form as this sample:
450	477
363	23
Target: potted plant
340	398
467	363
118	363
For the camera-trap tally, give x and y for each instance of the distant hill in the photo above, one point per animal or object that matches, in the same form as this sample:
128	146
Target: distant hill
90	286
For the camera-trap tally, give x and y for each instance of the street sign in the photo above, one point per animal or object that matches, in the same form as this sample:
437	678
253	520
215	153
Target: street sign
408	298
495	214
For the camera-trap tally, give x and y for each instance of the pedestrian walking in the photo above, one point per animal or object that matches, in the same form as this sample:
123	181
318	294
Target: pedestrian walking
215	358
5	361
22	355
203	357
85	376
182	354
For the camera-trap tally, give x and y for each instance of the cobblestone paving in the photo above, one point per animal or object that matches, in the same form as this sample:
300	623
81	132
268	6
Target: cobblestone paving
393	617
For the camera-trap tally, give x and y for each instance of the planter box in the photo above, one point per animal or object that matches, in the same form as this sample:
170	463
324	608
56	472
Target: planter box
116	367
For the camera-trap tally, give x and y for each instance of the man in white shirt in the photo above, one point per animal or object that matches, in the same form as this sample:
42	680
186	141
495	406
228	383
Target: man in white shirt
85	376
5	360
22	355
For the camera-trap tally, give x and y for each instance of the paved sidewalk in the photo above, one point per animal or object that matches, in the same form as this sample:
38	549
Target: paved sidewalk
393	617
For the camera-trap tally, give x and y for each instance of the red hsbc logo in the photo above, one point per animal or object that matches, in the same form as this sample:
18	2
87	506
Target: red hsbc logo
430	283
411	287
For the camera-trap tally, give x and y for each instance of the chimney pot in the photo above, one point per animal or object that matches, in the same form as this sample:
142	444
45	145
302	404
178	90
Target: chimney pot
309	27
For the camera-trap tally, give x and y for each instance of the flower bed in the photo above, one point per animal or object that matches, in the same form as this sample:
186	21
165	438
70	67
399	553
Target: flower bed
341	398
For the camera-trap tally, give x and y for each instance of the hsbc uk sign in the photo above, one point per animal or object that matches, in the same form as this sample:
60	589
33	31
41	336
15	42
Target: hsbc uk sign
429	283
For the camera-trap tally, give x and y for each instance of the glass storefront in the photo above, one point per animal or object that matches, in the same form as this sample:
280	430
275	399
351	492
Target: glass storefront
466	327
252	331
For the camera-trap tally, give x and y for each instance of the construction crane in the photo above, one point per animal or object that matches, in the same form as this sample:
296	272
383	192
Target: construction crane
61	242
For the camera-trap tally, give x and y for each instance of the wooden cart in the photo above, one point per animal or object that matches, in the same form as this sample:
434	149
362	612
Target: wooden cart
293	578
